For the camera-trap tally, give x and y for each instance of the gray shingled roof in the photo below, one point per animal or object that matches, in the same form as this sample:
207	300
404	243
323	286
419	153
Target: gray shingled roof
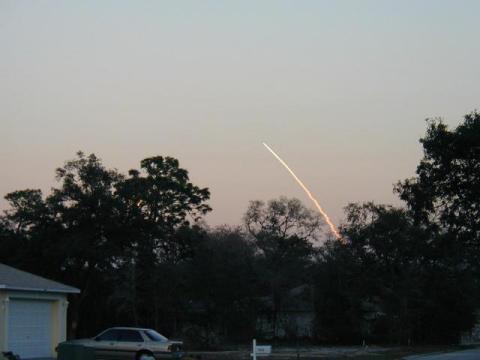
14	279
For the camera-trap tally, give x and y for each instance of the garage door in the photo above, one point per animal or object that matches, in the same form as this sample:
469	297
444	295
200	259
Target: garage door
30	328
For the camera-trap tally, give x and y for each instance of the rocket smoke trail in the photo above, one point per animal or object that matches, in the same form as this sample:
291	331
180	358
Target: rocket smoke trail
302	185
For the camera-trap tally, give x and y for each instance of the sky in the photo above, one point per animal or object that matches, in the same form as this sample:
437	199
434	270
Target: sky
339	89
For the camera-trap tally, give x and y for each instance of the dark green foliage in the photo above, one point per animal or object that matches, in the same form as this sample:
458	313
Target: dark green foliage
410	275
444	198
445	194
136	247
156	205
112	237
390	283
223	285
338	312
282	233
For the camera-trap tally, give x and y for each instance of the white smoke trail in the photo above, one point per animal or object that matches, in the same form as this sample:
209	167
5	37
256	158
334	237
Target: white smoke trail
302	185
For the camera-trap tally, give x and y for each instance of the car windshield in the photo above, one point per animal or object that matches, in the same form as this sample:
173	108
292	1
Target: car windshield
108	335
155	336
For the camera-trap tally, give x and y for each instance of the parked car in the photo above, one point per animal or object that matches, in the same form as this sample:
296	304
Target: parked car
123	343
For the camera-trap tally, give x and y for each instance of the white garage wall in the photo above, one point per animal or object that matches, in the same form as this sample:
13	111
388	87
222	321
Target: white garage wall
3	320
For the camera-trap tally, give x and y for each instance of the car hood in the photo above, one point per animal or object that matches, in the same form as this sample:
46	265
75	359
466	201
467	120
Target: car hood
177	342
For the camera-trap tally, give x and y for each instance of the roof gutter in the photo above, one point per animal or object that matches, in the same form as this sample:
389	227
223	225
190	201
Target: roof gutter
65	291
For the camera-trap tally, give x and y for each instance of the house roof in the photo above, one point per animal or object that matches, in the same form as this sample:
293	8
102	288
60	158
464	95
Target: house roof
14	279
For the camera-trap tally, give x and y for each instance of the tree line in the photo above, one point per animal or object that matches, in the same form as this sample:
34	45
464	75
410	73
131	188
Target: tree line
138	248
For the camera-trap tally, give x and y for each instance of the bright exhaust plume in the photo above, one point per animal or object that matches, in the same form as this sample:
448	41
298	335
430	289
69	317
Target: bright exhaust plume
309	194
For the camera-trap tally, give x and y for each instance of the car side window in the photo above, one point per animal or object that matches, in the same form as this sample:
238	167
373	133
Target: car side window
109	335
130	336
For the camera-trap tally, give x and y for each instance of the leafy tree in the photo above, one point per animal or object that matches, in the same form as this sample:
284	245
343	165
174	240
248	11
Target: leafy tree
444	197
283	232
27	210
90	244
9	242
445	194
98	229
376	272
282	218
157	205
137	249
223	284
161	200
390	282
338	306
24	227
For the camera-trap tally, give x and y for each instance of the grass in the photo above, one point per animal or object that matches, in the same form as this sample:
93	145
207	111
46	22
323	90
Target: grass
397	354
367	354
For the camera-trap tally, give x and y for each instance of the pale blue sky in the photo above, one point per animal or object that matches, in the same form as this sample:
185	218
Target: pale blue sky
340	89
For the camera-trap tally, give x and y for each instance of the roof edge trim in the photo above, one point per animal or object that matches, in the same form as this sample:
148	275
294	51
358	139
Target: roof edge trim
63	291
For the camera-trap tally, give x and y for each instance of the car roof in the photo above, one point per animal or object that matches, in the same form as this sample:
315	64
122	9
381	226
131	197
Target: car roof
127	328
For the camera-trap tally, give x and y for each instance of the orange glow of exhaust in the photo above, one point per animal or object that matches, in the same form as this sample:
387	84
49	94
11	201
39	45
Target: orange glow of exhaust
302	185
